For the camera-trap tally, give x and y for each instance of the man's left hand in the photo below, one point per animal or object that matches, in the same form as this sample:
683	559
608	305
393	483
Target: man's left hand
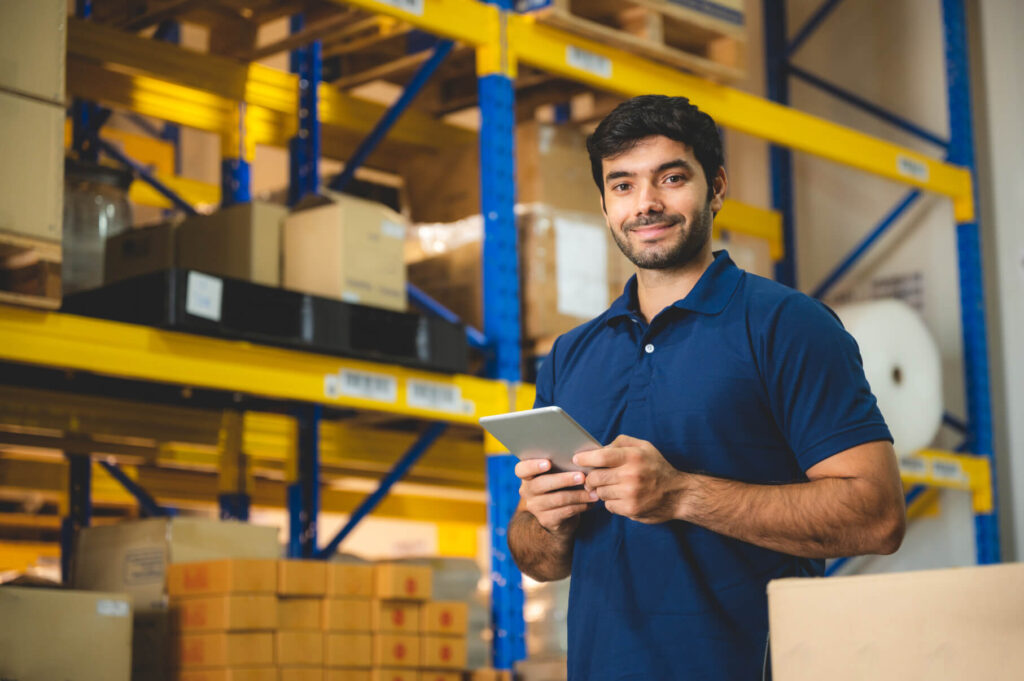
634	480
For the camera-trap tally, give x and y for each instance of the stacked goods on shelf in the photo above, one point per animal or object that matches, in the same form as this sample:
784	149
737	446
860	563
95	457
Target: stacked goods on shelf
299	639
134	557
224	618
62	634
345	621
702	36
32	50
339	246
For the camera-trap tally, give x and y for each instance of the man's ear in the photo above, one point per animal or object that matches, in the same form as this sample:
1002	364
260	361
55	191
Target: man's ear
719	185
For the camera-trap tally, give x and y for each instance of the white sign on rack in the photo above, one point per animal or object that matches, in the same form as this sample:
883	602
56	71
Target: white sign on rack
436	397
410	6
911	167
203	295
363	384
588	61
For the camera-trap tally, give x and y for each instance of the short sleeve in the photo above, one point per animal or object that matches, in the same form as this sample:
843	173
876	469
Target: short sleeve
815	379
546	381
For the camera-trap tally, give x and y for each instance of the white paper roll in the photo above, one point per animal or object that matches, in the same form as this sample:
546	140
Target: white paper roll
903	368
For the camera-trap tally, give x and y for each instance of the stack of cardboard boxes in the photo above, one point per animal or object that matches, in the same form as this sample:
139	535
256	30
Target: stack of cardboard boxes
291	620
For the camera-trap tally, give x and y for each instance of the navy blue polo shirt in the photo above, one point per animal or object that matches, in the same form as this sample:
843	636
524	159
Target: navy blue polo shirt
743	379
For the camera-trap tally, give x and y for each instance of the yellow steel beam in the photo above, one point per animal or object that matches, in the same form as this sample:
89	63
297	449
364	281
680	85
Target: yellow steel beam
138	352
18	556
194	192
471	22
616	70
926	505
949	470
758	222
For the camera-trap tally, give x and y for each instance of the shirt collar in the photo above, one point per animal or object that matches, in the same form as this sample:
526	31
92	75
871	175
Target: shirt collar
712	292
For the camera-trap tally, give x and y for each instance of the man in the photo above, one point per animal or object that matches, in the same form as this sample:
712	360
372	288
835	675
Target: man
742	441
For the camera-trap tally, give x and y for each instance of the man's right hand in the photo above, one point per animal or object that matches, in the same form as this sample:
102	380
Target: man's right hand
545	496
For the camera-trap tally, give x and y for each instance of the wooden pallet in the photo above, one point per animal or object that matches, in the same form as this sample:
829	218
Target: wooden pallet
29	271
663	30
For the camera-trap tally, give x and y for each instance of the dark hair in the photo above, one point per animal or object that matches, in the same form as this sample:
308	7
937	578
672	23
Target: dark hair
647	115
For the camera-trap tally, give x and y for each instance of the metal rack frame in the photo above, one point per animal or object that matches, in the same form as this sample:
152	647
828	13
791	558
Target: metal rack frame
502	39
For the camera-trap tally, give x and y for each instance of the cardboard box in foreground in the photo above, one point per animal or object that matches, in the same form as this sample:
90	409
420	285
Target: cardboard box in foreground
960	623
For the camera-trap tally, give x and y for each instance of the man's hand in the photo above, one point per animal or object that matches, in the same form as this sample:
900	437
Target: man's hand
634	480
543	494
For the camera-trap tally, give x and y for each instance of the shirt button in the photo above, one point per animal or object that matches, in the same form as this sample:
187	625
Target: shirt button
648	348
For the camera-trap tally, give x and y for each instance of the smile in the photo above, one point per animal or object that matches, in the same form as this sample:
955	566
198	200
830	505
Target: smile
652	231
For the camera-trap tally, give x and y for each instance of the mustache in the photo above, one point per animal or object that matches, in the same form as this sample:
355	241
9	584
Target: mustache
652	219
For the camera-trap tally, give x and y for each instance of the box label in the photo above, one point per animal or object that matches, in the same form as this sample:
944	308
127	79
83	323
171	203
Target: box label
144	566
910	167
203	296
588	61
410	6
107	607
392	229
581	268
436	396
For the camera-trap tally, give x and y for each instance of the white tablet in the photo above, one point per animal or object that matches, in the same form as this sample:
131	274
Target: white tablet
545	433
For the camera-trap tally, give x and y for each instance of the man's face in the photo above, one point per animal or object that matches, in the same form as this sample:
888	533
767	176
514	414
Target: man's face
656	205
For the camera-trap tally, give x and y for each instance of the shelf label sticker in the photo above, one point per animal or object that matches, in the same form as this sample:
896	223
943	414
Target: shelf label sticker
410	6
107	607
588	61
950	471
363	384
392	229
911	167
436	397
203	296
914	465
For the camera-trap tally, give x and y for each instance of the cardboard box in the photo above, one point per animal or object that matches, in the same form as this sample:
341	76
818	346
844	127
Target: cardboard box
348	675
395	675
454	278
301	578
32	39
395	616
961	623
229	674
338	246
298	648
443	652
48	634
402	581
225	649
32	163
348	650
487	674
552	167
225	613
438	675
396	650
300	613
139	250
349	579
133	556
302	674
346	614
242	241
444	617
250	576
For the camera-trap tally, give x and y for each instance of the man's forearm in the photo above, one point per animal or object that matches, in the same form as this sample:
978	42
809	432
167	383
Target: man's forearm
539	553
824	518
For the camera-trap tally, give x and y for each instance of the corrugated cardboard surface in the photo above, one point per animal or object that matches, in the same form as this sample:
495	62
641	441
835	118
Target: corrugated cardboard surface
300	613
348	675
31	164
402	581
940	625
138	251
301	577
349	579
346	614
437	675
395	675
133	556
48	634
443	652
301	674
226	649
348	650
396	650
230	576
226	612
346	248
241	241
229	674
298	648
395	616
32	47
444	617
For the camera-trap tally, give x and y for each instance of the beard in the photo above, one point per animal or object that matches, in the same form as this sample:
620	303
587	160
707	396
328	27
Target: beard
687	245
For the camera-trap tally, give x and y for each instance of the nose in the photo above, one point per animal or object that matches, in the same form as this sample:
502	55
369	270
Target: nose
649	200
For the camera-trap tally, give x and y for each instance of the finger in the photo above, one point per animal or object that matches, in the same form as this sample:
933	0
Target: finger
606	457
543	484
601	477
555	500
624	440
530	468
561	514
610	492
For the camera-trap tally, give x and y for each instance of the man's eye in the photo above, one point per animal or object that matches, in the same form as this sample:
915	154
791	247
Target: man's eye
623	186
674	179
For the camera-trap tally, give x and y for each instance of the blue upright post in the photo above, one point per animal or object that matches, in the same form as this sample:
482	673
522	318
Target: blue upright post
304	148
501	327
781	159
235	173
170	31
972	292
83	111
304	491
79	509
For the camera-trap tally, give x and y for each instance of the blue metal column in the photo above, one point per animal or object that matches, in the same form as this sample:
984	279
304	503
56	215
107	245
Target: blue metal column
79	509
304	148
235	173
972	292
781	159
502	328
304	490
82	111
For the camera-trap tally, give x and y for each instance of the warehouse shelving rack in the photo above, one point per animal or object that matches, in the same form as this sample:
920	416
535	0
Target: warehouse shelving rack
250	105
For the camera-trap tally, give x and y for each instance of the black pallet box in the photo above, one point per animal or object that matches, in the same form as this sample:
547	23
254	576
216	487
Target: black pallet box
186	300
